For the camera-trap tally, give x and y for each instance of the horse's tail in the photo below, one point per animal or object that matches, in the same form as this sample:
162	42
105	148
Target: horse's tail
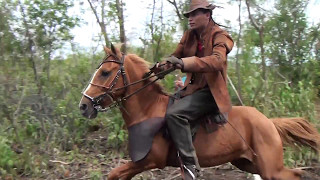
297	131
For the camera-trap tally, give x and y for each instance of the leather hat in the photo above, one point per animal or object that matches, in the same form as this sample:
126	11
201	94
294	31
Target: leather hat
198	4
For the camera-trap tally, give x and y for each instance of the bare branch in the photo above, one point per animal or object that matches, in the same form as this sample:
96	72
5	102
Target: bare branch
16	114
61	162
100	22
174	3
260	29
235	90
252	20
95	12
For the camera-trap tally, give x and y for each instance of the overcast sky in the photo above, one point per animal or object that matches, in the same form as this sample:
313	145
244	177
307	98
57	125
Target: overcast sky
137	14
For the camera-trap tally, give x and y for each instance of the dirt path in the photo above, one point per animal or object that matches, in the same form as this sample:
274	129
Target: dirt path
99	168
94	161
224	172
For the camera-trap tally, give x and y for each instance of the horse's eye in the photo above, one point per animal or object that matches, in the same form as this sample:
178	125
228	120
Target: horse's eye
105	73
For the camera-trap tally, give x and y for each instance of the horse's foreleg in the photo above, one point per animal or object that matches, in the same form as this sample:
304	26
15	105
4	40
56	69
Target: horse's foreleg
129	170
156	158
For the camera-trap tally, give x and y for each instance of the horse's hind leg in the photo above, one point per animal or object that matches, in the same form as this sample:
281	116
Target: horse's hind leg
290	174
269	161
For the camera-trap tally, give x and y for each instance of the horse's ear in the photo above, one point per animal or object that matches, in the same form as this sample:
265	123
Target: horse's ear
107	50
115	50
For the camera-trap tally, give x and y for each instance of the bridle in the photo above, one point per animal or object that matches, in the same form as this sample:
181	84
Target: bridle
109	91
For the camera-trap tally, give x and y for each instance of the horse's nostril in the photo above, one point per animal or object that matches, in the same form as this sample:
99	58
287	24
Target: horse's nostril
83	107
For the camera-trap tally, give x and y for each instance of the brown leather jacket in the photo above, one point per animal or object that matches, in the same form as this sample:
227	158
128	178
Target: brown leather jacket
212	63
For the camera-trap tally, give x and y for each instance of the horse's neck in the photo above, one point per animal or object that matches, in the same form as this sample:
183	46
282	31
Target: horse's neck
148	103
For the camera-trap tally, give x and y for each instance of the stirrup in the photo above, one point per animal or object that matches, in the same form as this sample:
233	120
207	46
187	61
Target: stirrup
190	172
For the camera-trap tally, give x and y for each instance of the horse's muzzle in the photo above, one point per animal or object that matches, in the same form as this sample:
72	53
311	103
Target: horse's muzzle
87	109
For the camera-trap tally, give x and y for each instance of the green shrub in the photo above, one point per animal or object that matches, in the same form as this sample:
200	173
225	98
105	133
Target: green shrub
117	134
7	156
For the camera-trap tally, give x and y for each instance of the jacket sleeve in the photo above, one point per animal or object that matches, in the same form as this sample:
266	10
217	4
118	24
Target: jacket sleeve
222	45
179	50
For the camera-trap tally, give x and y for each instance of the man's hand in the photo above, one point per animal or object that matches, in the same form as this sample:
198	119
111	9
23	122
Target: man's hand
157	68
168	63
176	62
178	84
160	69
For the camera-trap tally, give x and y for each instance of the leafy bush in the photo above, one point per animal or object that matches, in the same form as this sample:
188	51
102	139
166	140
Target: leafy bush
117	134
7	156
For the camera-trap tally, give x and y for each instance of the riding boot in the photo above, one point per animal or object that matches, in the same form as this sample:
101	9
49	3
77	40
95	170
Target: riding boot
190	168
190	172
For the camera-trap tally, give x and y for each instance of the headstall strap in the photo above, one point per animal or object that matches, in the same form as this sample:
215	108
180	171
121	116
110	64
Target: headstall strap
109	93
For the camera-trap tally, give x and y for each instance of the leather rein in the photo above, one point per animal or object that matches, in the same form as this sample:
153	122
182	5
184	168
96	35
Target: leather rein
97	101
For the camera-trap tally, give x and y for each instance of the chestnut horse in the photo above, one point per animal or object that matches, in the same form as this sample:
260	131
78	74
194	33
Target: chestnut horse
265	136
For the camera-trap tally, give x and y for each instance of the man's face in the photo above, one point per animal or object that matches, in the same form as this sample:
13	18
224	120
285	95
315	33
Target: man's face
198	19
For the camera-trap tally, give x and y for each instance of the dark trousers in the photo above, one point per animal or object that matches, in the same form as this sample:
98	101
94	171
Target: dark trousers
188	109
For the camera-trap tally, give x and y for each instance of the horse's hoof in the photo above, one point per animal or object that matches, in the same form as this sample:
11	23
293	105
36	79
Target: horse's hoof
113	176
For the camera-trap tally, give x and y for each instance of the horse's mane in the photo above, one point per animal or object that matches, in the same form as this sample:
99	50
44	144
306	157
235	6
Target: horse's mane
143	65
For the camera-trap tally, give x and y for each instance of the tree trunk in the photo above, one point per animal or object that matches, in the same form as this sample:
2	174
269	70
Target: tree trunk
260	30
101	23
238	72
152	22
123	40
152	28
30	49
48	64
157	49
262	50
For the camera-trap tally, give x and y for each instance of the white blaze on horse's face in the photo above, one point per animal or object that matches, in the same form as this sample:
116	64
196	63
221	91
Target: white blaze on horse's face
97	86
91	81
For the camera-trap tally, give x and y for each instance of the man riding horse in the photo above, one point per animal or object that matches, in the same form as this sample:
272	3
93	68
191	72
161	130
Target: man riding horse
125	80
202	54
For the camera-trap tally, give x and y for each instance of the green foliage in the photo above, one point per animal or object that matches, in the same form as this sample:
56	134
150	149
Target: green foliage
7	156
95	175
289	38
281	98
295	101
52	20
295	157
168	82
292	71
117	134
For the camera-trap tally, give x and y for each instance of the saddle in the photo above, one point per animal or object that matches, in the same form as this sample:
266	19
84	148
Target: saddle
141	135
